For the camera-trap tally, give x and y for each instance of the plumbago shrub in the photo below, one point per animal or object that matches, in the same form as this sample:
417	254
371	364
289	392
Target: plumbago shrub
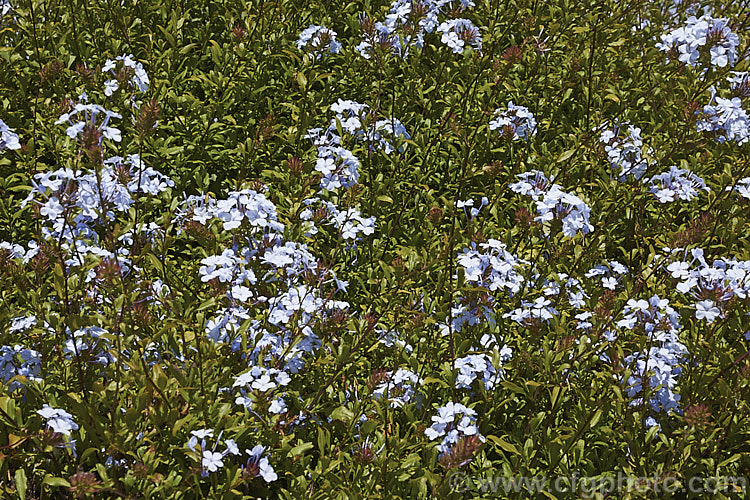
280	249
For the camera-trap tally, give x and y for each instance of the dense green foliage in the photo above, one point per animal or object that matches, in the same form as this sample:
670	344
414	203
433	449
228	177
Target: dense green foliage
230	101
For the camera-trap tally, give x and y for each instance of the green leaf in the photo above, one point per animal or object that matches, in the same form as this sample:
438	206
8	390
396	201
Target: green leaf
342	413
500	442
59	280
56	482
730	460
301	79
21	483
595	418
612	97
299	449
566	154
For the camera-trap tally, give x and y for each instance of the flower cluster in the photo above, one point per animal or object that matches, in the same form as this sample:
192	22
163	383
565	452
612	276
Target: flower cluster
531	313
533	183
58	420
458	33
624	151
453	422
338	165
540	309
676	184
361	124
212	460
408	22
495	268
84	198
742	187
711	285
515	121
609	273
725	118
480	366
657	368
17	251
399	387
18	361
654	317
299	299
566	207
21	323
469	311
492	268
659	365
349	223
552	203
8	139
139	79
703	38
74	207
245	205
262	379
318	40
89	112
88	343
390	338
739	82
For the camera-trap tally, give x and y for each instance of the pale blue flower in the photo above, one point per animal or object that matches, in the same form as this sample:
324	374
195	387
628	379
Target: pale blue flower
8	139
212	460
705	309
